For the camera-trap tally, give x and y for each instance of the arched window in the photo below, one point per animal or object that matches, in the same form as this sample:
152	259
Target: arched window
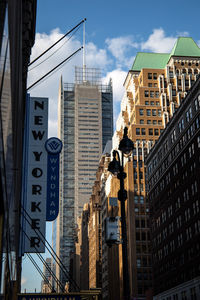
184	71
196	71
177	72
189	71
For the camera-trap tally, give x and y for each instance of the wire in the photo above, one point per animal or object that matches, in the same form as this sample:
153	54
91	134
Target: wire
54	68
58	261
46	265
39	270
53	52
57	42
49	75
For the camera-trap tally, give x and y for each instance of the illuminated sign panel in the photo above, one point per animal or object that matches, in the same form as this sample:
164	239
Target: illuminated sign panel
35	174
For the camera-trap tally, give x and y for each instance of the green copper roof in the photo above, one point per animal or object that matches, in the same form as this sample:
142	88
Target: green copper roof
184	46
150	61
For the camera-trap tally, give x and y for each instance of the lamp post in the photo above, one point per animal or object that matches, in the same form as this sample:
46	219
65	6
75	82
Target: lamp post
116	167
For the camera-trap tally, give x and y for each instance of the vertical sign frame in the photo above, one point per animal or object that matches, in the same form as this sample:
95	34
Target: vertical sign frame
53	146
35	175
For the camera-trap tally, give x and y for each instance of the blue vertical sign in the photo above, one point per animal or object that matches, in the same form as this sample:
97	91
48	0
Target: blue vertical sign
53	147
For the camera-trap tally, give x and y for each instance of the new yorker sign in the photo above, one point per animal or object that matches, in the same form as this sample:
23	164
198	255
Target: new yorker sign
35	175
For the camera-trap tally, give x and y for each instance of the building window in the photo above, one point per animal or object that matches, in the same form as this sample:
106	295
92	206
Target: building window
193	293
146	93
186	82
156	94
138	262
146	102
151	94
150	131
154	122
152	103
159	112
196	104
141	121
156	131
143	131
148	112
150	84
171	74
173	92
154	112
141	112
149	75
149	122
137	131
183	295
189	114
154	76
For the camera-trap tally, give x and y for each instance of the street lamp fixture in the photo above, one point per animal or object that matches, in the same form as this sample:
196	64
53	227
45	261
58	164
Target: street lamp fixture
116	167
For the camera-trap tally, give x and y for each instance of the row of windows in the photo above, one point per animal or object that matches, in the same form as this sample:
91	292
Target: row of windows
152	76
152	103
150	112
177	204
151	131
154	122
173	137
151	94
172	245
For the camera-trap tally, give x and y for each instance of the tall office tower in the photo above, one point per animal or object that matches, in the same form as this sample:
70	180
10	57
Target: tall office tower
85	120
155	87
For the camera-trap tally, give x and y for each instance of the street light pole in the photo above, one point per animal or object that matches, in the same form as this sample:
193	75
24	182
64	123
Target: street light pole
126	146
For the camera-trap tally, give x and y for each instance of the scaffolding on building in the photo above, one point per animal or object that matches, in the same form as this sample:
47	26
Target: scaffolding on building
90	77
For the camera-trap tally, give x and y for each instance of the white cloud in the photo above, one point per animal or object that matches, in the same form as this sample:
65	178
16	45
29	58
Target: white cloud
120	47
182	33
158	42
118	78
96	58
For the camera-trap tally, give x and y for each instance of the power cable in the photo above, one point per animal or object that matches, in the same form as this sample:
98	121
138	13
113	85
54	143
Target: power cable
53	52
51	271
57	42
46	265
39	271
58	261
54	68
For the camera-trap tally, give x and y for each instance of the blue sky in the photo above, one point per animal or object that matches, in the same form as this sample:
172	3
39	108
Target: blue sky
115	32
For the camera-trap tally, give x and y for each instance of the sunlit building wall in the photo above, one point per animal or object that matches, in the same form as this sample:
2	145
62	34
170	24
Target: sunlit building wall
85	124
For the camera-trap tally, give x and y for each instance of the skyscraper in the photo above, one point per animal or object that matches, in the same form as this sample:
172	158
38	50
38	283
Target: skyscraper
85	124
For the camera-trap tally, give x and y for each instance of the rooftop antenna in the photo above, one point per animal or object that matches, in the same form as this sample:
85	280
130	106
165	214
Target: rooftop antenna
84	66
